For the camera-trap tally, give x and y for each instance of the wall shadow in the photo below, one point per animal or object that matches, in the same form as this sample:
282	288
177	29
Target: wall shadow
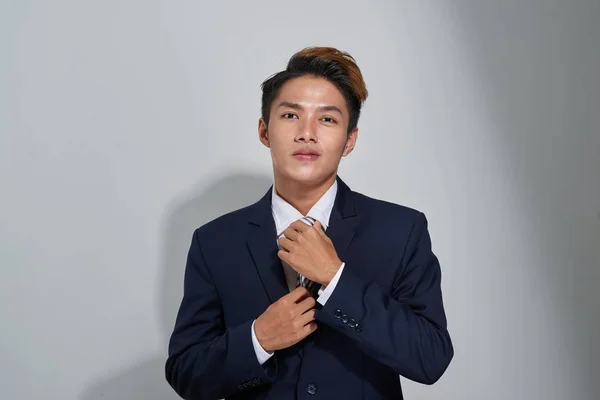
146	379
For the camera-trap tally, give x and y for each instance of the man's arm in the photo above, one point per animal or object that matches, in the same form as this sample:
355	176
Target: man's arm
405	330
207	360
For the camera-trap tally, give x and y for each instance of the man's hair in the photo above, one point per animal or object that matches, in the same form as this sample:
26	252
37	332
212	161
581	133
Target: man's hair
338	67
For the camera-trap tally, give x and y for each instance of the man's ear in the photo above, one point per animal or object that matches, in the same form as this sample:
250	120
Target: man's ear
263	132
350	141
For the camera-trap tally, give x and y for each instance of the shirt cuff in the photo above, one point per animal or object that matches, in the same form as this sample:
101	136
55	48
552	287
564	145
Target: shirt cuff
325	293
261	354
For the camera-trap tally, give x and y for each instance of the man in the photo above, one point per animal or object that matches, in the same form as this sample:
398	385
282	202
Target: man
315	291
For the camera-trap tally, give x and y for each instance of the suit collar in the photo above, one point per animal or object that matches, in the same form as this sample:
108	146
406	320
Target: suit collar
343	206
344	202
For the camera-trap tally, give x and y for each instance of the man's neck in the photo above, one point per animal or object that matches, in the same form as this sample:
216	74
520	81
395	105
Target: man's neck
300	195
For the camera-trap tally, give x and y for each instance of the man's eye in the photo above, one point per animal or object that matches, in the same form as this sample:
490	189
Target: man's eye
329	120
289	115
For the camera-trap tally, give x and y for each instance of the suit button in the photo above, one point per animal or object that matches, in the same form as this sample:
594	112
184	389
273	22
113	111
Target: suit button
358	327
344	319
311	389
337	313
352	323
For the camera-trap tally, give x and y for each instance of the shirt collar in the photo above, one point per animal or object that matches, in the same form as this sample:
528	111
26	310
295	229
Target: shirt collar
284	213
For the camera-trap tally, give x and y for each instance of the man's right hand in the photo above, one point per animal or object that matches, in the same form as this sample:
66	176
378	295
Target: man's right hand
287	321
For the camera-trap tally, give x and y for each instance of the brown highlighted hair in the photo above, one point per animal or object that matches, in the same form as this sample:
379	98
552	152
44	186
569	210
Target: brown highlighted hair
329	63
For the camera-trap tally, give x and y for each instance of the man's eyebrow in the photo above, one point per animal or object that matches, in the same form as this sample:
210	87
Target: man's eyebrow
297	106
288	104
330	108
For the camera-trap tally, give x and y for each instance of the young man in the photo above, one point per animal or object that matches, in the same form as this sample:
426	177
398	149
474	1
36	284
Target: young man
315	291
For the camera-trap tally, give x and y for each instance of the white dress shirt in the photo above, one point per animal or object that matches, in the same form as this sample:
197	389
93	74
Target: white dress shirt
284	214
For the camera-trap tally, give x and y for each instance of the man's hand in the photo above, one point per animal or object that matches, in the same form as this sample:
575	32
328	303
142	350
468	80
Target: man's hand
309	252
287	321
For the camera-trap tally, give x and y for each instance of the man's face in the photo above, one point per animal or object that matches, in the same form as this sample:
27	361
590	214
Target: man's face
307	130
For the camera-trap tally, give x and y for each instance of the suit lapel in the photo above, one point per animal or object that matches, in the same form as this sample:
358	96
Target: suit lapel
262	244
343	221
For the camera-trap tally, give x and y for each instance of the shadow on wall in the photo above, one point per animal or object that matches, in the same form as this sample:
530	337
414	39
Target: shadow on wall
541	84
146	380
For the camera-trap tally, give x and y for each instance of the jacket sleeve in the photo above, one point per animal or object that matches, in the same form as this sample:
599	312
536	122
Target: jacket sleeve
207	360
405	327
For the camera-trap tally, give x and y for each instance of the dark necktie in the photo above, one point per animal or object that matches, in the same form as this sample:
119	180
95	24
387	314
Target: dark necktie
301	280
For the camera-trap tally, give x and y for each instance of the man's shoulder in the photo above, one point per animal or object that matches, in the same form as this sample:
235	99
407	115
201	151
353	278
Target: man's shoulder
384	210
228	223
389	221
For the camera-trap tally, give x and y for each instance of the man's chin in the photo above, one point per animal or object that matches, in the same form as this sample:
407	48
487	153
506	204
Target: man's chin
308	179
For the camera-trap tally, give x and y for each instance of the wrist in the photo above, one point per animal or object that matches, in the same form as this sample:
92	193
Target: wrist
260	338
330	273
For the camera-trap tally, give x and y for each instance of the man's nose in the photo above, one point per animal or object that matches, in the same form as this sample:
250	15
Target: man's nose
307	132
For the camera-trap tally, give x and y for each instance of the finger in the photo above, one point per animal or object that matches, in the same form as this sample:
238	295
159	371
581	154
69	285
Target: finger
321	231
322	234
298	294
318	226
306	304
308	329
307	317
284	255
300	226
291	233
286	243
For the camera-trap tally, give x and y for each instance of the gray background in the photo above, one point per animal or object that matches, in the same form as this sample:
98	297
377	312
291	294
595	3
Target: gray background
125	124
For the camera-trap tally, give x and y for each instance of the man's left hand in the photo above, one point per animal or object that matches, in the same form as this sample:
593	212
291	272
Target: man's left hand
309	252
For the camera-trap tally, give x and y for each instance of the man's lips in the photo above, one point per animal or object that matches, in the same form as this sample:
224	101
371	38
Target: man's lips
306	155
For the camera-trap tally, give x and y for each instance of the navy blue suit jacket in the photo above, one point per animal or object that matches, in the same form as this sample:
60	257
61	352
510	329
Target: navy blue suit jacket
385	317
